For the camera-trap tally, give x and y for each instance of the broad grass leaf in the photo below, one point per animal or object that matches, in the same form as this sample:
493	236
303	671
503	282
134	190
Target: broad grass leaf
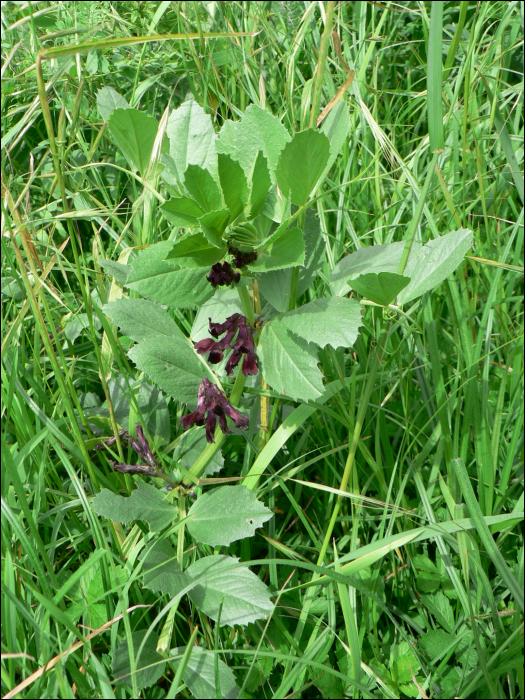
202	188
165	282
380	287
301	164
434	262
329	321
335	128
145	503
140	319
226	514
199	674
134	133
182	212
192	139
162	572
289	364
234	185
149	665
257	130
173	365
244	597
287	251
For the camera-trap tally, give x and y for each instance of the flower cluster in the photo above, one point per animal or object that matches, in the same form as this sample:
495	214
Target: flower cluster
242	259
243	345
223	274
213	405
141	447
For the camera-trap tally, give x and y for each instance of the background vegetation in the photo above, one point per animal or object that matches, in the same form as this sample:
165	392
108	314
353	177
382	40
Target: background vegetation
431	618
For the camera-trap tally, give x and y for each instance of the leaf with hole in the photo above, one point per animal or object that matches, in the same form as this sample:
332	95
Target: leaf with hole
226	514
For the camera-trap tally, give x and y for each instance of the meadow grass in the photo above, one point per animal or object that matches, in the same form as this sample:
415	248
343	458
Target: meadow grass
424	424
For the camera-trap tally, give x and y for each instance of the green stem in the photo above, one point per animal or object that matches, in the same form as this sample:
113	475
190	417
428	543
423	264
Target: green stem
417	215
323	53
247	303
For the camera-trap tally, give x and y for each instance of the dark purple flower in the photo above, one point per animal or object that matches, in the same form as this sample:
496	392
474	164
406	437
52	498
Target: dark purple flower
142	469
223	274
242	259
243	345
213	405
141	447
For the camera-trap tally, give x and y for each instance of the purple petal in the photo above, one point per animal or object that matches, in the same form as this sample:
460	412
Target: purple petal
204	346
249	364
210	426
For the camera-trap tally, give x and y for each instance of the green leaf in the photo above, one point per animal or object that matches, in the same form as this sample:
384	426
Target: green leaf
145	503
173	365
150	661
435	643
214	224
162	572
329	321
223	304
289	364
153	409
275	285
119	271
335	128
377	258
226	514
192	139
140	319
199	674
134	133
234	185
195	250
466	652
301	164
75	325
402	657
245	598
190	445
439	606
286	251
182	212
257	130
202	188
259	184
108	100
164	282
380	287
434	262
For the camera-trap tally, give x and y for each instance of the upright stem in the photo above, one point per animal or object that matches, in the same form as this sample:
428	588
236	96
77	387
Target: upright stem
247	303
323	53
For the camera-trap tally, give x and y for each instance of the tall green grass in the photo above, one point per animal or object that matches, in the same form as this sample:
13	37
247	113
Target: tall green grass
426	425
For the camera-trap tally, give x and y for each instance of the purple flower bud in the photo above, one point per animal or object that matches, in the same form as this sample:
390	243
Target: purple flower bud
142	469
203	346
249	365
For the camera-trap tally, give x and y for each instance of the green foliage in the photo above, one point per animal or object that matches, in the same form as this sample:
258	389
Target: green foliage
226	514
363	536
